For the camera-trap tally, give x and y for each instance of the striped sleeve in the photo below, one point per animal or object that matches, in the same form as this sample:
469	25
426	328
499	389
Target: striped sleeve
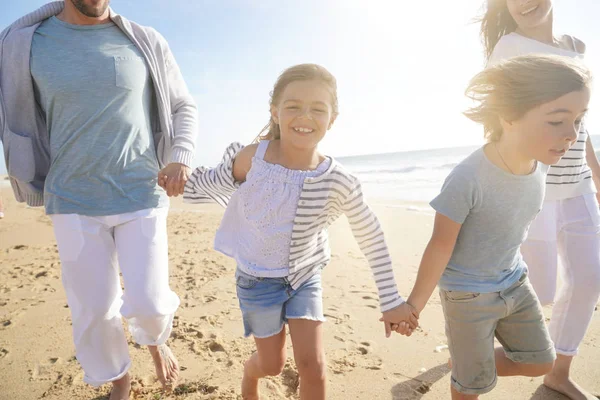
369	236
213	184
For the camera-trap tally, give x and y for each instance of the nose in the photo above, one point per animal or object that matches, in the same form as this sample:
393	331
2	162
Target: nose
306	113
572	134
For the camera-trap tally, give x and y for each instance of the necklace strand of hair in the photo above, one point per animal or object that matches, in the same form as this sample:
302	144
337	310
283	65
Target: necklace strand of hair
506	165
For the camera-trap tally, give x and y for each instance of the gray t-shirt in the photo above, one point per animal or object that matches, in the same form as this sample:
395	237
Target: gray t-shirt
94	89
495	209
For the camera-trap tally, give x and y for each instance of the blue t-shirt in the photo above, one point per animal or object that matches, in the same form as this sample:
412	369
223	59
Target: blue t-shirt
94	88
495	209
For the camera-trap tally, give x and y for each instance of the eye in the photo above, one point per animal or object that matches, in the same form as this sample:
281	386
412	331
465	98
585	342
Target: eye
291	108
555	123
319	110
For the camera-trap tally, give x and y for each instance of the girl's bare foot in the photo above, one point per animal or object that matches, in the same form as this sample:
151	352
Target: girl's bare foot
568	387
121	388
249	386
167	367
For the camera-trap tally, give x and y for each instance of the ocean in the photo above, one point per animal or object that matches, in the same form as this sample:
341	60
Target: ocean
412	176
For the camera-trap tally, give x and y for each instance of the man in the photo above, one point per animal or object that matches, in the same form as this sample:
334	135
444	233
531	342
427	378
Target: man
92	105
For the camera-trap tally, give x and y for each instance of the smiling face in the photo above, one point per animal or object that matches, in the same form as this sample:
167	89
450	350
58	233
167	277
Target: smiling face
304	113
530	14
546	132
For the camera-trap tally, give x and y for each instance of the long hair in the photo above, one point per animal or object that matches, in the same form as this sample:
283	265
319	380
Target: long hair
496	22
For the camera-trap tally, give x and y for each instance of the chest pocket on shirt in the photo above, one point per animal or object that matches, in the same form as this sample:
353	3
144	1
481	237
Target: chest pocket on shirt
130	72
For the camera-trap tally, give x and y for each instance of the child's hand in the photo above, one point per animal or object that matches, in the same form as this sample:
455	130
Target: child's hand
403	313
402	328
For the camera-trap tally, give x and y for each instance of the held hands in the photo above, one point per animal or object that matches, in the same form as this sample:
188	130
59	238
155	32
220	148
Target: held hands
402	319
173	177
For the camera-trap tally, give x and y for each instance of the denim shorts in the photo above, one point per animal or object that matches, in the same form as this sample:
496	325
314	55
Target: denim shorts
514	316
268	303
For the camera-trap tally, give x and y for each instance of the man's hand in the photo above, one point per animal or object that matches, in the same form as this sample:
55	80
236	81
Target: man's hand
392	319
173	177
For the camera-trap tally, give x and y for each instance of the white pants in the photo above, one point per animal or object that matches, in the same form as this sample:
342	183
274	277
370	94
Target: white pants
91	251
569	229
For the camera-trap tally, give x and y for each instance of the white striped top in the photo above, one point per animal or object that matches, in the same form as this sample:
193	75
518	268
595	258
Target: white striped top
571	176
323	199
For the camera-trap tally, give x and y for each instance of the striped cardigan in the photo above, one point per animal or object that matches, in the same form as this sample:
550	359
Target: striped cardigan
323	199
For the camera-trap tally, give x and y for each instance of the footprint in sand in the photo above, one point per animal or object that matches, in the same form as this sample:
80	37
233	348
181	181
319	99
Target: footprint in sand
195	387
274	388
291	379
41	274
337	320
3	352
216	346
46	370
209	299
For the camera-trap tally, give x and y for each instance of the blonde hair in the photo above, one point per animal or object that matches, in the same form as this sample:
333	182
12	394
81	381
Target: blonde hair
301	72
512	88
496	22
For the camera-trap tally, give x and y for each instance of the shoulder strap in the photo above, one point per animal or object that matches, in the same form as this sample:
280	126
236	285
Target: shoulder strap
262	149
575	47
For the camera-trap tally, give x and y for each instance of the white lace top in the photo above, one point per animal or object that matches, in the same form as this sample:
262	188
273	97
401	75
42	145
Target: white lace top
262	213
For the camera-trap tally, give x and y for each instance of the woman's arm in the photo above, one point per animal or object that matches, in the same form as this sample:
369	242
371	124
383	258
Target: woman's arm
592	162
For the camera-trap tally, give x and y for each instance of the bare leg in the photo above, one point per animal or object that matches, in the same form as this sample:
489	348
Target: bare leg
559	380
307	340
268	360
456	395
121	388
507	367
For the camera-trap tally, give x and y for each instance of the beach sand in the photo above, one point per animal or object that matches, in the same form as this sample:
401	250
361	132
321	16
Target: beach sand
37	354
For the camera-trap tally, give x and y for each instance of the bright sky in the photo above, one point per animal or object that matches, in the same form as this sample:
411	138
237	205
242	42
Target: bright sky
401	66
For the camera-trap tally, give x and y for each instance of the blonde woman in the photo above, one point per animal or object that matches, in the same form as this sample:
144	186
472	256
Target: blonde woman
482	215
568	226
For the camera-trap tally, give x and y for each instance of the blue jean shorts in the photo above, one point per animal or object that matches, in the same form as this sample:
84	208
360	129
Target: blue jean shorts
268	303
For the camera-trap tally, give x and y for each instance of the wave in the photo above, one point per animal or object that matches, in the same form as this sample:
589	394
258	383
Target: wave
402	170
405	170
447	166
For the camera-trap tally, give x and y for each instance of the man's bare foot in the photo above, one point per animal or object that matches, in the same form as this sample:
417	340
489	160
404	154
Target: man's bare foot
567	387
249	387
121	389
167	367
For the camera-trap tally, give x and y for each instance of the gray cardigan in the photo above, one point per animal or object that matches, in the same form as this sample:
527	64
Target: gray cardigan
23	129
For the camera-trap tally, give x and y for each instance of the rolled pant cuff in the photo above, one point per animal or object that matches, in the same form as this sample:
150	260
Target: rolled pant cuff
97	383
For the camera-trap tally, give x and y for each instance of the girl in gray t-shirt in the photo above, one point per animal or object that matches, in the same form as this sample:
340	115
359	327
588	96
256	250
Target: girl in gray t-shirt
531	108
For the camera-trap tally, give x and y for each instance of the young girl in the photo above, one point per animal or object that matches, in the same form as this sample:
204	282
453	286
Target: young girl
281	195
569	224
531	109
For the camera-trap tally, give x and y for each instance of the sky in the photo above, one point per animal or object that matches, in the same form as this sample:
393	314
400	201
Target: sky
401	66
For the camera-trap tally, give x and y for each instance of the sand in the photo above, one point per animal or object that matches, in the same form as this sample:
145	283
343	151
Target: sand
37	354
